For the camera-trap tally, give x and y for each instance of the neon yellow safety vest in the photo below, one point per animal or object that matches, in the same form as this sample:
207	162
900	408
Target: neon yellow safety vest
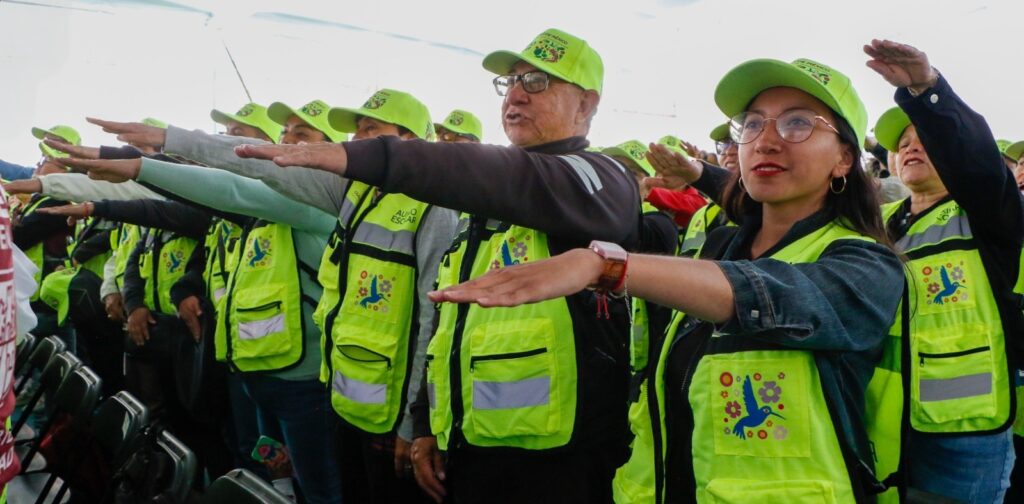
54	290
705	220
1018	423
221	246
95	263
786	450
260	325
161	264
960	379
123	241
500	376
35	253
370	330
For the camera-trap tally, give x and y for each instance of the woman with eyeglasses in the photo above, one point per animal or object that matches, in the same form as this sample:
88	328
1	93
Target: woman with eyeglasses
961	231
758	388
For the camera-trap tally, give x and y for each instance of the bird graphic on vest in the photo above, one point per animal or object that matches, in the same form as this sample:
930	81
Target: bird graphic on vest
948	288
257	253
175	262
756	415
506	255
374	295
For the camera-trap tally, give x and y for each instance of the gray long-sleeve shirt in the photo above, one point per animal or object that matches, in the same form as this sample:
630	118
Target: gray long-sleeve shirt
326	191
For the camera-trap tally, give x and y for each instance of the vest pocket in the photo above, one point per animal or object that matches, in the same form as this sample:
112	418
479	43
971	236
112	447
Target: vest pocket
261	328
738	491
363	365
511	373
953	380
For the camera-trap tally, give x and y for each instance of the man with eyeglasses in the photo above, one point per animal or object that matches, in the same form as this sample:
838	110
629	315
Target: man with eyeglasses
527	404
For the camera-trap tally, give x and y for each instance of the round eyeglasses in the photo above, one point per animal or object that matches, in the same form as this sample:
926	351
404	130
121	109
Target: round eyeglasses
793	126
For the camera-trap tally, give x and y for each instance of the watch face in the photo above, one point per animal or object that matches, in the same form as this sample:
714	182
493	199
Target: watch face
609	251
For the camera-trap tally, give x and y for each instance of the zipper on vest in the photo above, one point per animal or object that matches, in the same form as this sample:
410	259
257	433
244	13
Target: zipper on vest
380	357
158	246
262	307
455	368
342	250
946	355
229	291
504	356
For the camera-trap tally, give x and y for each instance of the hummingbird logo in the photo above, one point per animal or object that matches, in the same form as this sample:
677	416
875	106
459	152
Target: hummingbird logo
258	253
374	291
948	288
756	414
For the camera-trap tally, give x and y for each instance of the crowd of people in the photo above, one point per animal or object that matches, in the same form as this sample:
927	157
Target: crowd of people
818	310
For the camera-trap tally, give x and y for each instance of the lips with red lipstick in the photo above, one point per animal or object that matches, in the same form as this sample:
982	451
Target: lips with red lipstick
767	169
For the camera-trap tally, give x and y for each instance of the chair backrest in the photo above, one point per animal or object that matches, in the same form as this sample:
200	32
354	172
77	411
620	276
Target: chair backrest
184	465
53	375
40	356
117	421
23	351
242	487
79	393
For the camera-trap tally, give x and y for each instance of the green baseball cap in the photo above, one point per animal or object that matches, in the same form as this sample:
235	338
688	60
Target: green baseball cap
1003	144
890	127
1015	150
251	114
742	84
463	123
557	53
314	113
390	106
156	123
721	133
633	151
674	144
66	133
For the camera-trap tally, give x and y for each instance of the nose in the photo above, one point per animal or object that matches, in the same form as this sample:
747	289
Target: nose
517	94
769	139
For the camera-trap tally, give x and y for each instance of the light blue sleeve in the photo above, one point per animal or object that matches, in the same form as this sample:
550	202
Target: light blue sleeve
233	193
11	172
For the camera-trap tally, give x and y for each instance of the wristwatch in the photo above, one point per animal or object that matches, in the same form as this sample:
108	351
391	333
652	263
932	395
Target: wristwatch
613	276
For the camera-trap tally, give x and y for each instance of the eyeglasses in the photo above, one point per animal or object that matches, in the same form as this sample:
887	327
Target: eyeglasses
533	82
793	126
723	145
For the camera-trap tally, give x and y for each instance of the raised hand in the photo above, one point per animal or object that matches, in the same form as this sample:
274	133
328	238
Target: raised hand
673	168
25	186
77	151
901	65
111	170
72	212
556	277
322	156
133	132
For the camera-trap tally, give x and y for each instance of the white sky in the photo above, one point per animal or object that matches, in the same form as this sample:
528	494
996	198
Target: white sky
62	60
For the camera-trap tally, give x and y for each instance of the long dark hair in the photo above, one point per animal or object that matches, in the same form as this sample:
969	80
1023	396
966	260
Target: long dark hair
857	207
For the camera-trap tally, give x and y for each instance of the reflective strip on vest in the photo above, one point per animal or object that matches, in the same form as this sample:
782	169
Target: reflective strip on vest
694	242
956	227
489	395
585	172
260	328
380	237
347	208
956	388
361	392
431	395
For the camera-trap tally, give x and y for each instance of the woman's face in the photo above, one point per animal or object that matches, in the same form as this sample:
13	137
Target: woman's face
792	175
913	166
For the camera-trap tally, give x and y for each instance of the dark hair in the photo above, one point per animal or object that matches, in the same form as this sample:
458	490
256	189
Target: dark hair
857	207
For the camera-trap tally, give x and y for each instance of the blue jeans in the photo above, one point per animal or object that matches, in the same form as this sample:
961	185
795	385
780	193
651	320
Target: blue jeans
303	414
968	468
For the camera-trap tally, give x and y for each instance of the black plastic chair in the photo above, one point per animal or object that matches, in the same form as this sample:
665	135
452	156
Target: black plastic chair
184	465
23	351
40	357
76	398
53	375
242	487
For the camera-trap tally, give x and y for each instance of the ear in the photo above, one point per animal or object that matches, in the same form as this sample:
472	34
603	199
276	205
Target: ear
844	163
588	106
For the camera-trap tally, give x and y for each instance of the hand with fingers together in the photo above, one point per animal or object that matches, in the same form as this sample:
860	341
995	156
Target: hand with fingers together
674	170
134	133
25	186
110	170
75	151
901	65
428	467
322	156
72	212
190	311
556	277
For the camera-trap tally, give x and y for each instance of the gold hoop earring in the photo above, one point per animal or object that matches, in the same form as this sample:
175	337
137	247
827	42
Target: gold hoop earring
832	187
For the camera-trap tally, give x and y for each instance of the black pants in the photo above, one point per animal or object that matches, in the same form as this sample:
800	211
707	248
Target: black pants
367	465
99	339
499	476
